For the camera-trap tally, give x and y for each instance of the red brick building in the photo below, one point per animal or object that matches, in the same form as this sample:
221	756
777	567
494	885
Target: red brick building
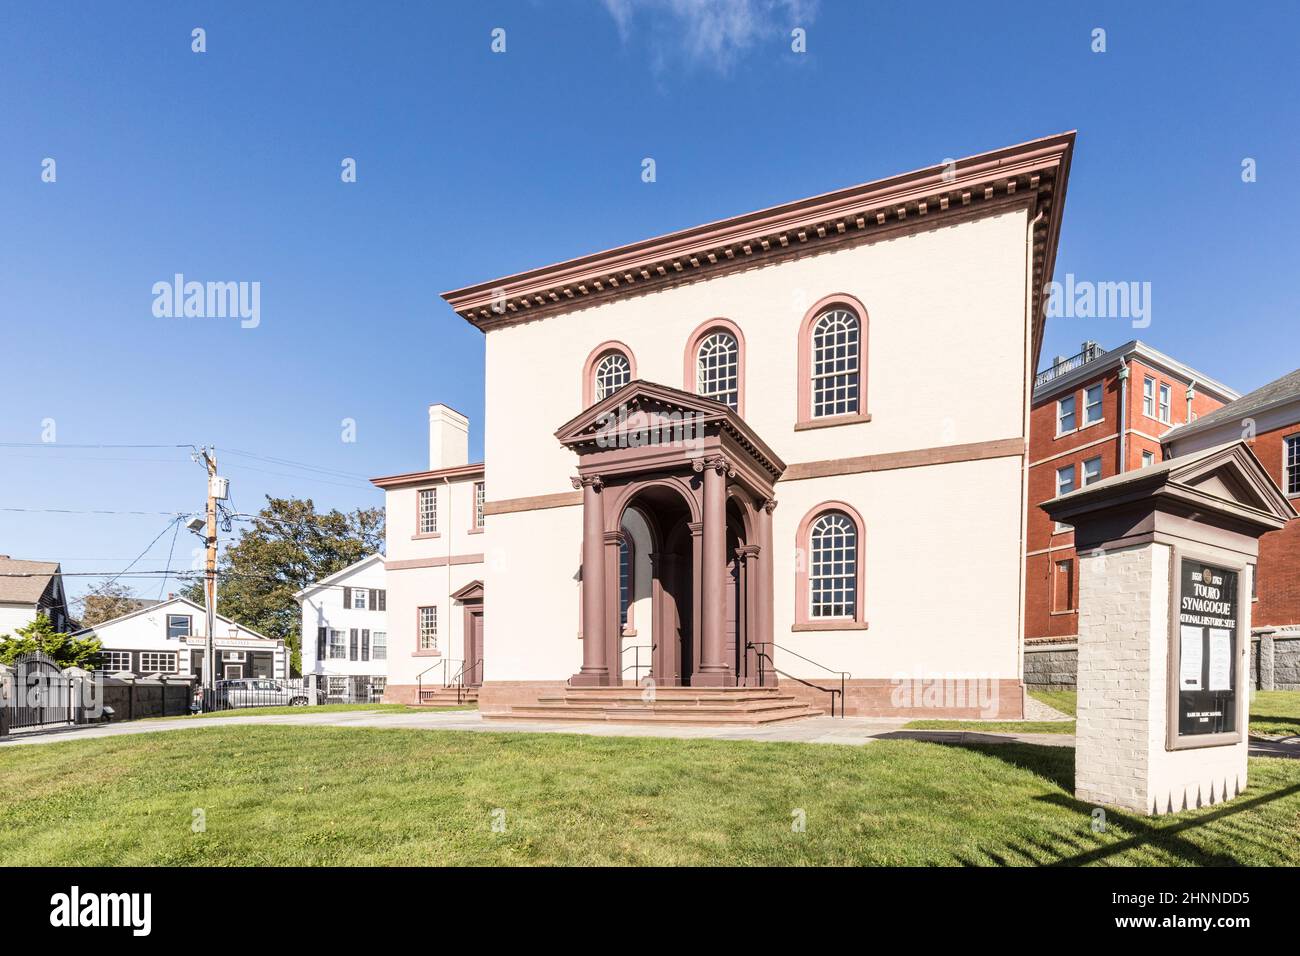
1094	415
1269	419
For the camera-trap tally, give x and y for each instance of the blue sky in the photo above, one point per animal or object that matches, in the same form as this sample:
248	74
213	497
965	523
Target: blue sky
225	165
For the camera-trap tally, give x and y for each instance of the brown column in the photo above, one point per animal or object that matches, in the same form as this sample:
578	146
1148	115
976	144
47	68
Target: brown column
613	627
763	628
595	669
714	671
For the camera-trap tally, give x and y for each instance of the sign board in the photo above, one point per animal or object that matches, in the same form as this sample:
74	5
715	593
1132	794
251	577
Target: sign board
1203	655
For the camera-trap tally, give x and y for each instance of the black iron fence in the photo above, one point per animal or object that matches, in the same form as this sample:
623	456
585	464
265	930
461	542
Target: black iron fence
36	693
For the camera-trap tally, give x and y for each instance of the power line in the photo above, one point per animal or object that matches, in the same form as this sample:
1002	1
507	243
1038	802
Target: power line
56	444
270	459
102	511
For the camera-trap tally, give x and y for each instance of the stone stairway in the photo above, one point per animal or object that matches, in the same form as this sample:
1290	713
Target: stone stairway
697	706
446	696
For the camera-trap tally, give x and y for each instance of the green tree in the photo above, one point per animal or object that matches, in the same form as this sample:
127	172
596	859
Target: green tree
288	546
107	602
40	635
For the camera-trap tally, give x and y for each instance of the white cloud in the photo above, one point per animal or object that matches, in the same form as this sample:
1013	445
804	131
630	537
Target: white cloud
710	33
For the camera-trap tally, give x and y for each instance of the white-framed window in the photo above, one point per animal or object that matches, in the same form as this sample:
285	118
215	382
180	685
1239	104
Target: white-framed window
158	662
833	567
1149	397
428	511
1293	465
113	661
1092	410
717	368
338	645
1066	414
359	598
480	499
613	371
1166	402
1064	485
428	628
836	361
178	626
1091	472
1148	458
379	645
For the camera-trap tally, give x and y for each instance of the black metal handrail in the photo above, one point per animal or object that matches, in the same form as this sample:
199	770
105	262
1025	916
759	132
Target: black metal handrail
459	678
844	676
419	678
636	664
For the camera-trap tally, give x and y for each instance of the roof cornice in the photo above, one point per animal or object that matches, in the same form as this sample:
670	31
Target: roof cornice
456	473
1147	354
1033	174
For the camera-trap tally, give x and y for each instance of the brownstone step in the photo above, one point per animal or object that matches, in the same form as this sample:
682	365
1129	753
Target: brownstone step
714	706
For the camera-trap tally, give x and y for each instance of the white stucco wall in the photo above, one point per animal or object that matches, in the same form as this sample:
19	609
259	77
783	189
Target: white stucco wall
452	560
946	366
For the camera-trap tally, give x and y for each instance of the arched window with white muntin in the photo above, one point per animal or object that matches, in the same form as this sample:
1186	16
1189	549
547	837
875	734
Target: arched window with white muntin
715	363
833	364
613	371
829	573
836	372
609	367
717	368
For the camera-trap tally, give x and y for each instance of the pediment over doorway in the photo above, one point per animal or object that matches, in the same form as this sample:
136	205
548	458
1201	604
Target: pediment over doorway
643	420
470	593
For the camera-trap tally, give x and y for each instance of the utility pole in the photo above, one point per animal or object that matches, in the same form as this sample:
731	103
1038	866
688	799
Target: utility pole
209	652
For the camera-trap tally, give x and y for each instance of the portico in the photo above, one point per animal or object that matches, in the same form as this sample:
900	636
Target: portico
702	480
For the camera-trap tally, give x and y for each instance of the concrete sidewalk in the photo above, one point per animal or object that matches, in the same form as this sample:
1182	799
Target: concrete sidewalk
847	731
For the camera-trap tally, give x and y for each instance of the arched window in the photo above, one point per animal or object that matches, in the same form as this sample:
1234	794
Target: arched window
717	368
609	367
830	574
613	371
832	364
715	363
832	567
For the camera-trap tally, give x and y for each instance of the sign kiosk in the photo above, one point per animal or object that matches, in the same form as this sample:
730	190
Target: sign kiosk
1167	556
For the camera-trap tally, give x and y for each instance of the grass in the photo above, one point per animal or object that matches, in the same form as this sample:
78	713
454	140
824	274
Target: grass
1063	700
996	726
305	711
1273	713
351	796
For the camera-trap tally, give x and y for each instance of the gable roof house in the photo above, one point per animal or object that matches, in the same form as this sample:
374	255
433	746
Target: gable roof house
28	588
170	638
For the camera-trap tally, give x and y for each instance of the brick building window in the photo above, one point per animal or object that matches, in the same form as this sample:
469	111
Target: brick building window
1066	417
1091	471
1063	585
1092	404
1166	403
1293	465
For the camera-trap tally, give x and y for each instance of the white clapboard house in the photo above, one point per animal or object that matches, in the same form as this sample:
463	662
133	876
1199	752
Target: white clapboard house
345	631
169	638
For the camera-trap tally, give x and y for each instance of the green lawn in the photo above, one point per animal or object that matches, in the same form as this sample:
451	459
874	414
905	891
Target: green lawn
996	726
303	711
1273	713
327	795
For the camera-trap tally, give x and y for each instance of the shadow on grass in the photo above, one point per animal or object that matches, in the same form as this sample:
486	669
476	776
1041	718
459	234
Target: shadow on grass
1287	725
1166	834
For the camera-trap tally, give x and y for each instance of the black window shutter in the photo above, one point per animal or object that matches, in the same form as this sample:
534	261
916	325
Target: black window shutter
383	599
352	645
320	643
365	644
347	597
373	603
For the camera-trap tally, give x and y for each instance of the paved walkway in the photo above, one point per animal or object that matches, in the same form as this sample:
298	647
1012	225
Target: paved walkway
848	731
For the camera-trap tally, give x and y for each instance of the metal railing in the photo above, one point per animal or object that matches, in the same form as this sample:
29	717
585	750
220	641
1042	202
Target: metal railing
636	664
445	663
844	676
1091	353
459	678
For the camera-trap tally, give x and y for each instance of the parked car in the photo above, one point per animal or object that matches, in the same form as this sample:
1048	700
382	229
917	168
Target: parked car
258	692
